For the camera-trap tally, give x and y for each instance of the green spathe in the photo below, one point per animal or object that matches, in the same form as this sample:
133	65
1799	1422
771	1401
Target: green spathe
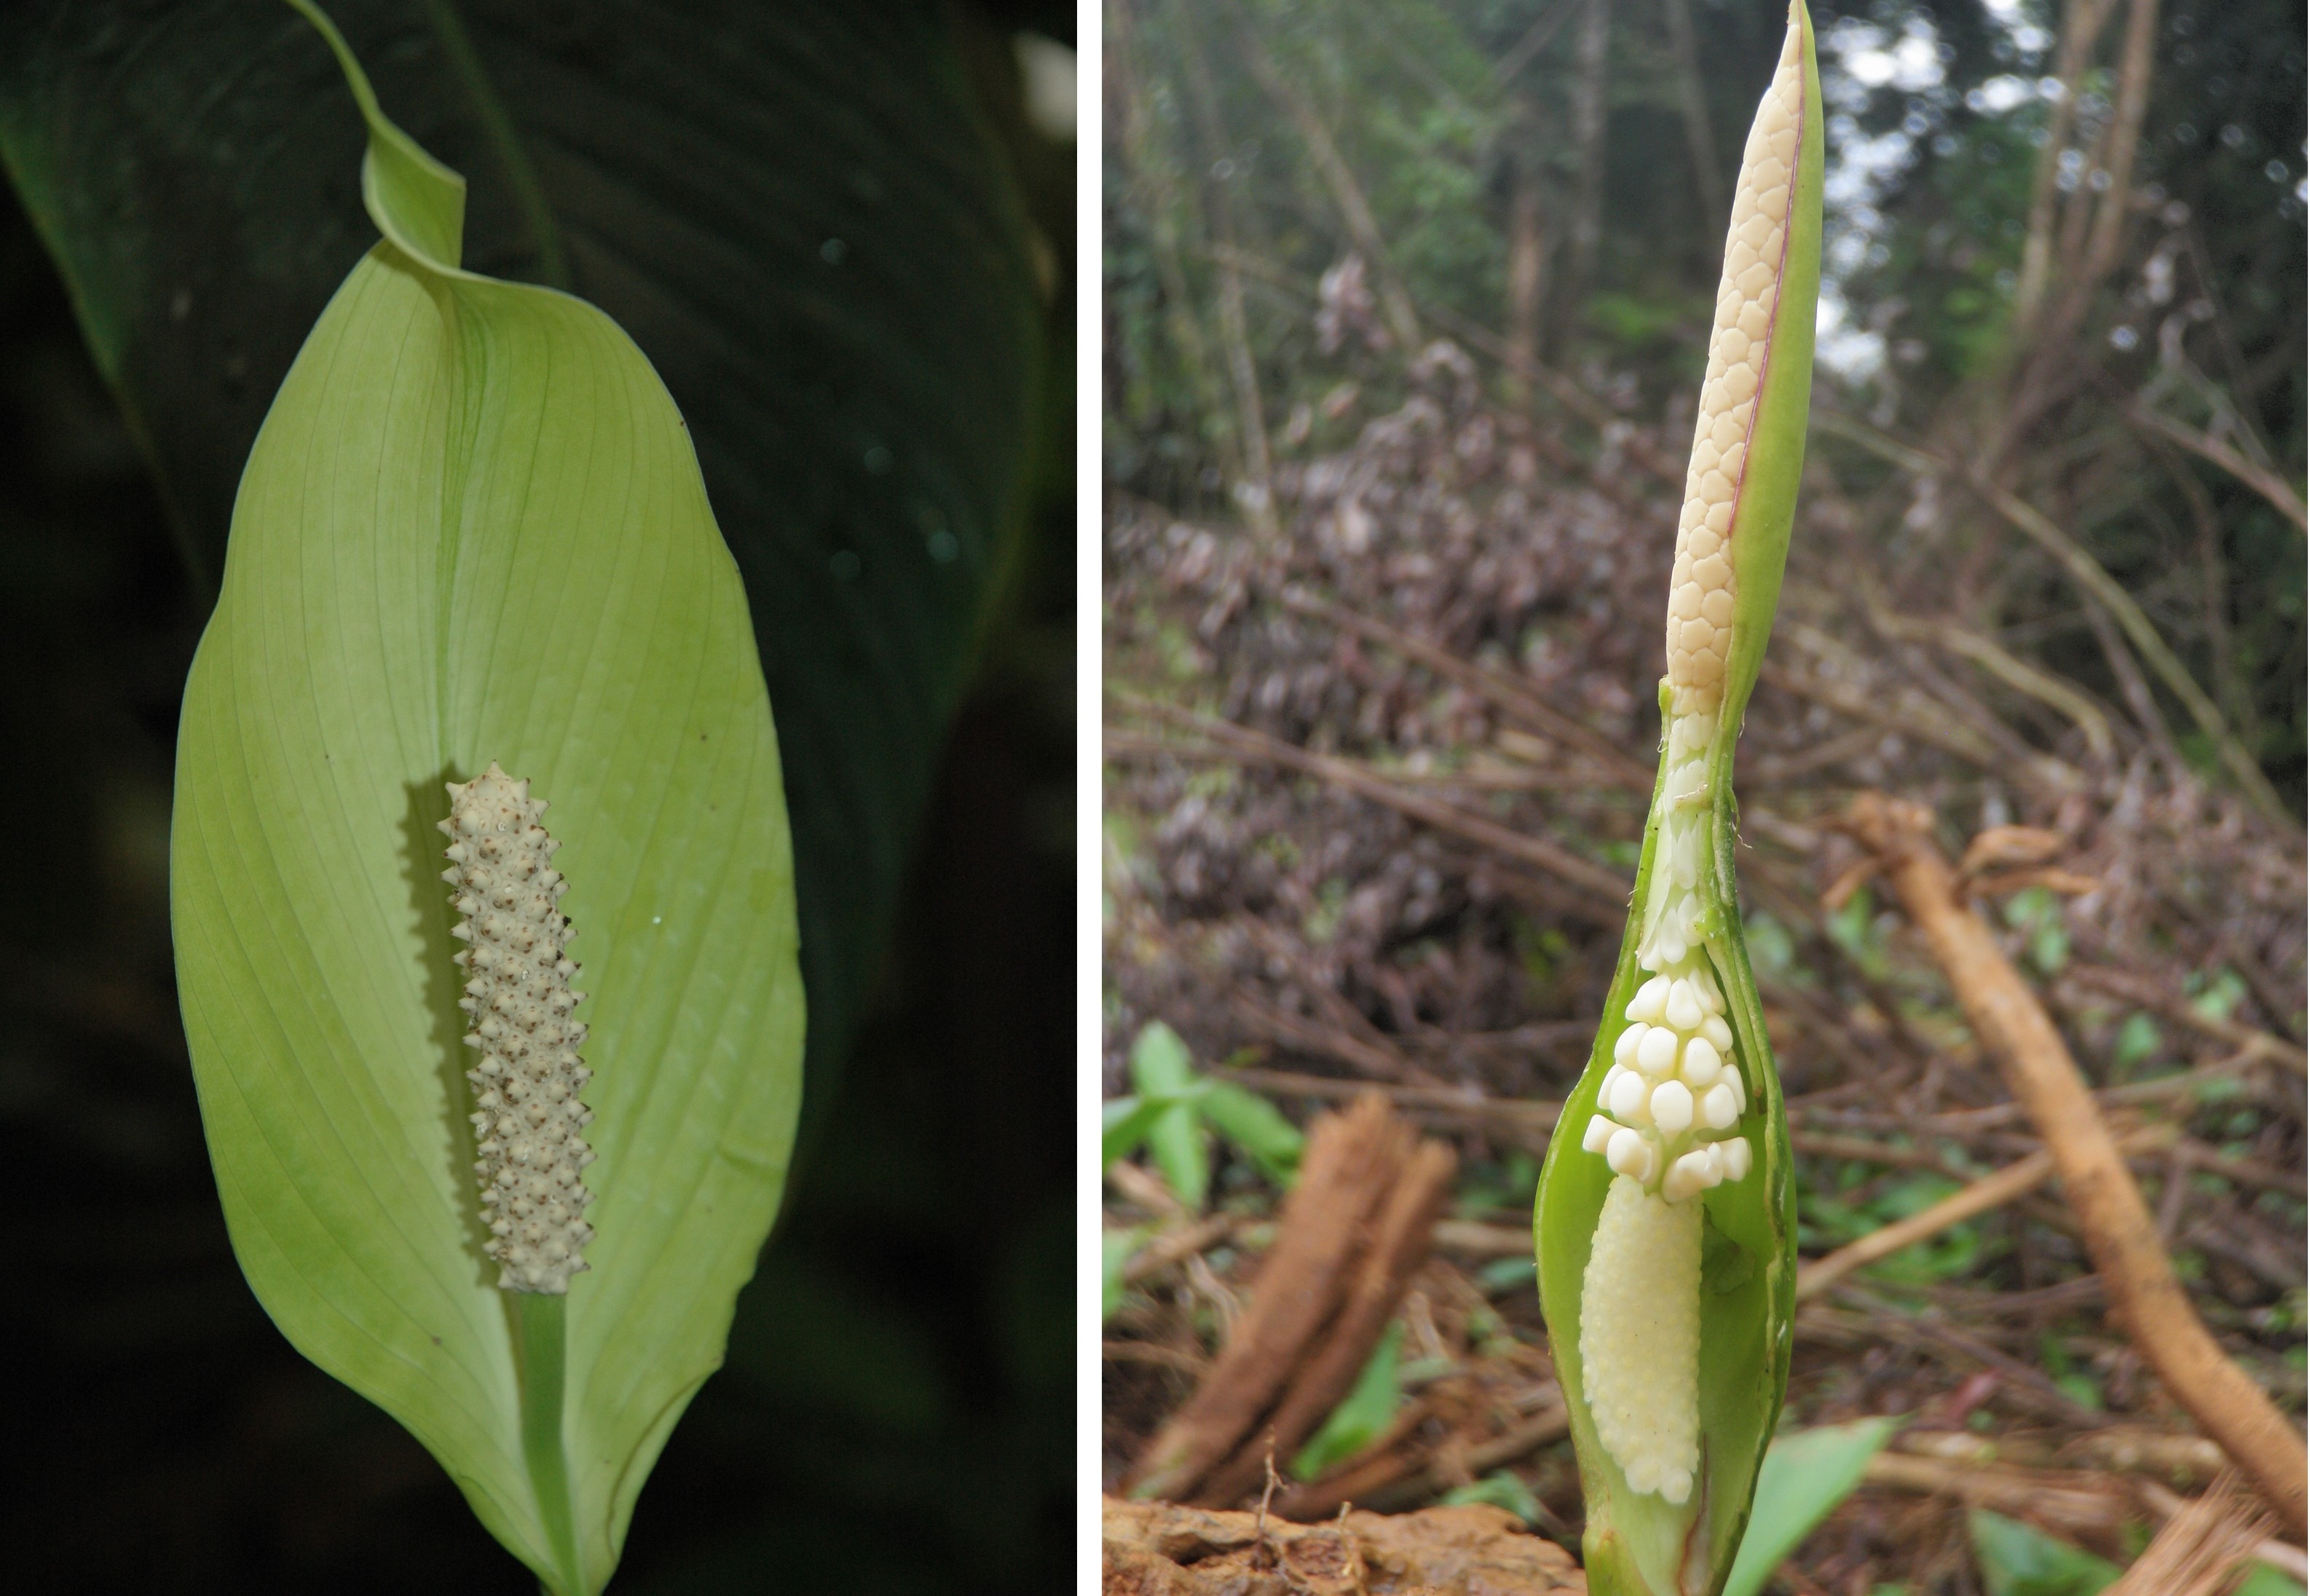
472	528
1637	1544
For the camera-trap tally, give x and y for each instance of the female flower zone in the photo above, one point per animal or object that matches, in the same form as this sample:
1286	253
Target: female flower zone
1663	1223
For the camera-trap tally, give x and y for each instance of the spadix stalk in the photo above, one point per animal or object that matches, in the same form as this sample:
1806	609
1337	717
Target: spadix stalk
1662	1222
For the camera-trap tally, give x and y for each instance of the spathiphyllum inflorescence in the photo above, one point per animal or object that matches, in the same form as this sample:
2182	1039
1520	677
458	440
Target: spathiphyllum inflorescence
527	1117
1663	1216
474	529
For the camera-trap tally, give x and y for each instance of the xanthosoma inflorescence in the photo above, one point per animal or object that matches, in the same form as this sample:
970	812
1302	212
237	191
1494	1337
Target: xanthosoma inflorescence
1663	1220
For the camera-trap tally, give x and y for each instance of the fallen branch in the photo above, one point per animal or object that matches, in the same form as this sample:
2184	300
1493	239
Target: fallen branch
2118	1230
2043	771
1992	1191
1398	1246
2060	1499
1527	1113
2268	483
1394	1479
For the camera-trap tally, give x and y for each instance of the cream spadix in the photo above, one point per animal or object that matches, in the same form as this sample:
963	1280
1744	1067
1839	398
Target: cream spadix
1663	1220
526	1117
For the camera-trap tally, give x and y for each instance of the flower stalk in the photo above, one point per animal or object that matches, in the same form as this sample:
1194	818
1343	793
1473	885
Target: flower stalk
1663	1219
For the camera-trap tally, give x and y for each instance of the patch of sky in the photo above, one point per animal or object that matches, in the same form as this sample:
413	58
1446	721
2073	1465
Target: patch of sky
1902	54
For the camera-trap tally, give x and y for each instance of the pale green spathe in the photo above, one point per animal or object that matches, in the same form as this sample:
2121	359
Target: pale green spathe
472	528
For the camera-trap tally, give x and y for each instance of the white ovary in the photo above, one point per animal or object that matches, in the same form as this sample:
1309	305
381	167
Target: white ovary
1700	585
527	1117
1640	1337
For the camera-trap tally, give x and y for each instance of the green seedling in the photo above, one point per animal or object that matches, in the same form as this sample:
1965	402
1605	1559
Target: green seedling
1663	1222
472	538
1174	1109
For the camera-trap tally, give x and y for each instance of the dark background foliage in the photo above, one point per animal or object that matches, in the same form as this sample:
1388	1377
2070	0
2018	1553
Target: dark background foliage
897	1408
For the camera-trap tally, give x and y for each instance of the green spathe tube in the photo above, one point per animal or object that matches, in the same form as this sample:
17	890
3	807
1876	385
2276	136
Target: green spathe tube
1665	1218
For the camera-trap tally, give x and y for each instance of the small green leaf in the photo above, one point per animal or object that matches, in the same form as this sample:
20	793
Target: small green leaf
472	528
1159	1062
1503	1275
1257	1126
2017	1560
1176	1142
1124	1125
1162	1071
1362	1416
1805	1475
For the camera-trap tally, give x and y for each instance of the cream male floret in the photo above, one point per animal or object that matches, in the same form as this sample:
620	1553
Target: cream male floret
1669	1108
529	1154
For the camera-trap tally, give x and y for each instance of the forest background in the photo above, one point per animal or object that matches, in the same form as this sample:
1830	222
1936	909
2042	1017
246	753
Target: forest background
1406	307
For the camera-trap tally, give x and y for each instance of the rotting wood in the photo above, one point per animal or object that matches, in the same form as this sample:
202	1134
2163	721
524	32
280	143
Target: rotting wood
2145	1297
1154	1549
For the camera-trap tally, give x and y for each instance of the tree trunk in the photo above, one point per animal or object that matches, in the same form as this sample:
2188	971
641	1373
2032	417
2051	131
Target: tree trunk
1258	495
1527	260
1588	142
1700	138
1161	198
